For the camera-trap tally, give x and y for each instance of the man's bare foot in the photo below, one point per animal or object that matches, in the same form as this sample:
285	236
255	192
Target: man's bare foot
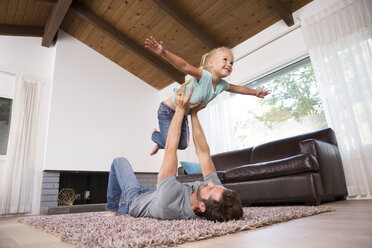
110	213
154	150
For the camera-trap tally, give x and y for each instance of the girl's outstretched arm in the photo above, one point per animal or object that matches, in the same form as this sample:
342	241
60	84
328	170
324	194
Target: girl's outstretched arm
240	89
176	61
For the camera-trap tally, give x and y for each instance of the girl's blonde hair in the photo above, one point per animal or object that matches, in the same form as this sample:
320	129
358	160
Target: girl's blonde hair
207	57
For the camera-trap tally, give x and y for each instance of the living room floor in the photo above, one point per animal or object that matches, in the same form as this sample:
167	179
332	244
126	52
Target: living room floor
349	226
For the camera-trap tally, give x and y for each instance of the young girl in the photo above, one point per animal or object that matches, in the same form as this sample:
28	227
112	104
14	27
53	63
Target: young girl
207	83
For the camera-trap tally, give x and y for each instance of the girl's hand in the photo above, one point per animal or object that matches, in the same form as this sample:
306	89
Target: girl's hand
153	45
261	93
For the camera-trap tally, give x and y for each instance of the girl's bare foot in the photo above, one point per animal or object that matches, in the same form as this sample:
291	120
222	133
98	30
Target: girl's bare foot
154	150
156	147
110	213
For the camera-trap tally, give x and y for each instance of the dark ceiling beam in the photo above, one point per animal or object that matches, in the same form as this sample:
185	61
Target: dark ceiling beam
19	30
127	42
55	18
186	22
283	11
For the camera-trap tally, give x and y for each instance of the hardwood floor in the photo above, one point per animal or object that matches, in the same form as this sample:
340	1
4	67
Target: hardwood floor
349	226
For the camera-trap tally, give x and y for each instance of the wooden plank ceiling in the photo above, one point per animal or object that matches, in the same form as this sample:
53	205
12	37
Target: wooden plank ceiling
117	28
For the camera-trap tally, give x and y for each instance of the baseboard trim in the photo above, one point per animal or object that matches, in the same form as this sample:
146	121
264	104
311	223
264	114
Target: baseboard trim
72	209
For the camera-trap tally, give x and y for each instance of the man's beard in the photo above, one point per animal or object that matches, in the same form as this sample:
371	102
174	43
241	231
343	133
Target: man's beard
198	197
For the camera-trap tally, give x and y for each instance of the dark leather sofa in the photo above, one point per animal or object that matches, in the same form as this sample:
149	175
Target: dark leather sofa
305	168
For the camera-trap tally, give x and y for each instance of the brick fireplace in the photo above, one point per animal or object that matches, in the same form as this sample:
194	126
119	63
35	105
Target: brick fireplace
90	189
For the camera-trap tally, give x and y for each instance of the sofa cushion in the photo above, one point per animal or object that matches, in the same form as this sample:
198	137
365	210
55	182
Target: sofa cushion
292	165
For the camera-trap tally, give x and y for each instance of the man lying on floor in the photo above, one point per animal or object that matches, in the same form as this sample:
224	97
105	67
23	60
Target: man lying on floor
173	199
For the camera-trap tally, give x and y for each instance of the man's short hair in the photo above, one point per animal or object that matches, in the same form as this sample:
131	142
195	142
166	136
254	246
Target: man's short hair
228	208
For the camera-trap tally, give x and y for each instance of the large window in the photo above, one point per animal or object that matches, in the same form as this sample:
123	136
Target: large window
5	112
292	108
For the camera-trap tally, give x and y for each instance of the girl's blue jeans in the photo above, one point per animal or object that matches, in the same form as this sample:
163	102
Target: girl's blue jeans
122	181
165	115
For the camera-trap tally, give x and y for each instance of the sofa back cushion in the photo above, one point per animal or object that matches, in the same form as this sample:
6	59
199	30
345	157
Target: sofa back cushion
227	160
288	147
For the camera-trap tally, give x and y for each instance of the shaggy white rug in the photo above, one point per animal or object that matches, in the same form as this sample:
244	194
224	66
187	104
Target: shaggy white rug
98	230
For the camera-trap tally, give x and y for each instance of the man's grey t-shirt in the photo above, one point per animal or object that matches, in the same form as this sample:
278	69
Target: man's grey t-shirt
171	200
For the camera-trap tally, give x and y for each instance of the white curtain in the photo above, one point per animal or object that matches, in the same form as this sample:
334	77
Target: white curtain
21	186
339	40
216	121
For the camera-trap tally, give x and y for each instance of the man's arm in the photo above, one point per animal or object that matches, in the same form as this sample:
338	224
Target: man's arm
201	145
170	161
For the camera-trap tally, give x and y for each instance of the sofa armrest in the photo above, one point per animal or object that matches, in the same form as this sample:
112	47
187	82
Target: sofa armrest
320	149
330	165
313	147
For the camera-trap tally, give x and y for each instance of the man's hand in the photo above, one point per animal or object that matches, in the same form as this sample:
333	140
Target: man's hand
196	109
153	45
182	101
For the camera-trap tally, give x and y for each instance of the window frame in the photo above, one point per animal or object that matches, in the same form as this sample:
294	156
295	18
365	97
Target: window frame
249	82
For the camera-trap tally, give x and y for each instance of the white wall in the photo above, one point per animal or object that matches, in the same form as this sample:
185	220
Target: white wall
98	111
26	56
7	85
